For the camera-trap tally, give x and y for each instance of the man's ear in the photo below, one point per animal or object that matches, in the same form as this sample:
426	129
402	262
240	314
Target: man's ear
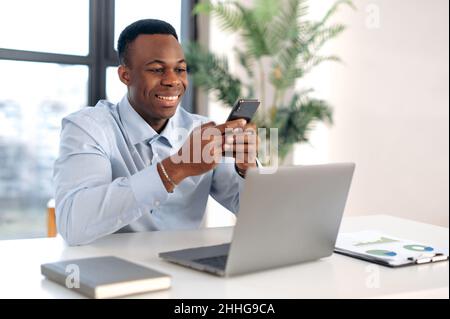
124	74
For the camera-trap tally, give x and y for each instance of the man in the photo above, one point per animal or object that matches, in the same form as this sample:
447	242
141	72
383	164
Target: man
125	168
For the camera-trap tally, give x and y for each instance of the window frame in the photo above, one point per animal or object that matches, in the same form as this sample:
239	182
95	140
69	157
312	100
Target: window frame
101	49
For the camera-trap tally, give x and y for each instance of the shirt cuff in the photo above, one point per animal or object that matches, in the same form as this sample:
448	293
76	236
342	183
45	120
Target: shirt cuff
148	187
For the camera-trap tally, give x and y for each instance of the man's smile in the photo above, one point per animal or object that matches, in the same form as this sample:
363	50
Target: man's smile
168	100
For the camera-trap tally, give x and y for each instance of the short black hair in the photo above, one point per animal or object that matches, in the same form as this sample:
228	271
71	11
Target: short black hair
145	26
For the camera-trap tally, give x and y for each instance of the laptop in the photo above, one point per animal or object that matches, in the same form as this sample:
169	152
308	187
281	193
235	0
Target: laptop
285	218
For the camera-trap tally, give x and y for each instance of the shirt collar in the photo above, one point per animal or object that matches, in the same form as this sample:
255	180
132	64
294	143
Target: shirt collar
139	131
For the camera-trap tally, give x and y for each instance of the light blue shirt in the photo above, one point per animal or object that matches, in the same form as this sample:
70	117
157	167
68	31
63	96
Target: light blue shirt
106	178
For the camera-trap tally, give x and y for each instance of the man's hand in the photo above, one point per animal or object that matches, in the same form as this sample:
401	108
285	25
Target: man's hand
201	153
242	144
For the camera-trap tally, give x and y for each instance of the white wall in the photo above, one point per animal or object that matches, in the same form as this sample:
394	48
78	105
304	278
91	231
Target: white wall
391	108
391	105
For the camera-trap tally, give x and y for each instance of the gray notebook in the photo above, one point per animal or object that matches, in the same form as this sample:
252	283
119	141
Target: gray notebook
105	277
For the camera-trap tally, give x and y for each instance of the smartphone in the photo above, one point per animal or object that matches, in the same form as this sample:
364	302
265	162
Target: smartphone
243	109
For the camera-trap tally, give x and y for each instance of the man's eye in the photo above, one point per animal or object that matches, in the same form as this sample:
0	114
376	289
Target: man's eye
181	70
159	70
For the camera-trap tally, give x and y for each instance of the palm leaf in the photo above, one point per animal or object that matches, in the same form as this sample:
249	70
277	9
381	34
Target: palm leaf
265	10
286	25
297	121
279	30
211	72
230	19
317	40
246	61
334	8
316	60
287	62
253	34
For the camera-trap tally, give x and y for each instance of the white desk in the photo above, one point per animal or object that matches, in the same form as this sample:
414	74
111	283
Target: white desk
334	277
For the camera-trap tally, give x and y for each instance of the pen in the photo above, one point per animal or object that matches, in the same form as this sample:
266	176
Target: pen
439	257
426	258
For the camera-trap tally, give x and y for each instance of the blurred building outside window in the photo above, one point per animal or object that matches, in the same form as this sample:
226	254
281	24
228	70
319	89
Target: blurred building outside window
36	95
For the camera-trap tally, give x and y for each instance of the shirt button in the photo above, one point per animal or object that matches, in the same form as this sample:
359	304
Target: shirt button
157	203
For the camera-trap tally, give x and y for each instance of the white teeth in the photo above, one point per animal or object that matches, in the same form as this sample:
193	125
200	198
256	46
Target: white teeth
168	98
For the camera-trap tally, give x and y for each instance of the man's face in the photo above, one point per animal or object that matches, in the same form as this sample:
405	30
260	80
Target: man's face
156	76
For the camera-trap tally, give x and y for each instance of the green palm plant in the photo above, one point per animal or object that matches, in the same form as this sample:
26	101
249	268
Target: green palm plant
279	46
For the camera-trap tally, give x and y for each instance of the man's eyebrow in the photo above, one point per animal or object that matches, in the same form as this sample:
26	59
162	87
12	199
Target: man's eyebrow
163	62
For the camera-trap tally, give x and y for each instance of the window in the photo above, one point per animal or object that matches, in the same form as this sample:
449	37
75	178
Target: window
40	29
35	96
56	57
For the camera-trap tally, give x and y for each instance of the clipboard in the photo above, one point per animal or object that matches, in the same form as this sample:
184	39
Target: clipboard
379	248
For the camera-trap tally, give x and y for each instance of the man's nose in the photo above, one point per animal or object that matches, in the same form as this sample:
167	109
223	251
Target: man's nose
170	78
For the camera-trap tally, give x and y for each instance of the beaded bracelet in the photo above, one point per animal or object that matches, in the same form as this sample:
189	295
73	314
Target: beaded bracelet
167	175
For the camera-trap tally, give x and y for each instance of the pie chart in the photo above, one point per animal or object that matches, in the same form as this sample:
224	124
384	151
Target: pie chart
419	248
380	252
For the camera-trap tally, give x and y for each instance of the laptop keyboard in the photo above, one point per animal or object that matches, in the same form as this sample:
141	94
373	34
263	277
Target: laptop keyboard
216	261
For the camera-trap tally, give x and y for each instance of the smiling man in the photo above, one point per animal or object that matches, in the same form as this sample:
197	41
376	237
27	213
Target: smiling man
127	167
